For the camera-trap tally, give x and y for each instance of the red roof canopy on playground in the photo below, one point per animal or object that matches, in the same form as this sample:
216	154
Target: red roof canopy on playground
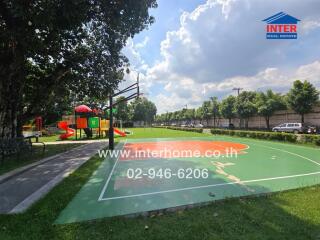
82	109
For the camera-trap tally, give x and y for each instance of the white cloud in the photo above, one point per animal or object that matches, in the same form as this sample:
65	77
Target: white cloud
275	78
143	43
137	65
132	53
310	24
221	44
192	93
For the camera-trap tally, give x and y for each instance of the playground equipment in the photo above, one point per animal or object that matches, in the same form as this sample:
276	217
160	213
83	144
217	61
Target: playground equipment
83	114
69	131
122	134
33	129
88	120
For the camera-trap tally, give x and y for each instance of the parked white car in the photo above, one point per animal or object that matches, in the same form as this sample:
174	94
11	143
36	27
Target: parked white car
199	125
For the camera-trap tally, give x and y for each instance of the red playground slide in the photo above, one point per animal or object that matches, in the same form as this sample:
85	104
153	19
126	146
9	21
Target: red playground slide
117	131
69	131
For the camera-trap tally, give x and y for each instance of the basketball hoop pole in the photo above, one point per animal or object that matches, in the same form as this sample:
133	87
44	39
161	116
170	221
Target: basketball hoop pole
111	133
134	86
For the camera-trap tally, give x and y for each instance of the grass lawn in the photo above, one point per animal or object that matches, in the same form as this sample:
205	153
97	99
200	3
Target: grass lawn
137	133
54	138
160	133
51	138
288	215
13	162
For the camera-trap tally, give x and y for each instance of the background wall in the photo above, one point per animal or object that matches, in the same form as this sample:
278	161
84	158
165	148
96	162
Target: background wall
259	122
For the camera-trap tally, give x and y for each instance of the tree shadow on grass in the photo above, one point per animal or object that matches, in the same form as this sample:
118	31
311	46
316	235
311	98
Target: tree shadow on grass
275	216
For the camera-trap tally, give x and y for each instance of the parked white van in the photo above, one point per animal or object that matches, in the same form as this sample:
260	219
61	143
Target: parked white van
290	127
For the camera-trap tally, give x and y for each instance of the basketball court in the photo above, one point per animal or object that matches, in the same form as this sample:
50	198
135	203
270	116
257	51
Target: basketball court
169	173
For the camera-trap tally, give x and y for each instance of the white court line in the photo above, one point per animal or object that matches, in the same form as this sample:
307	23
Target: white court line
109	178
310	160
212	185
270	141
295	154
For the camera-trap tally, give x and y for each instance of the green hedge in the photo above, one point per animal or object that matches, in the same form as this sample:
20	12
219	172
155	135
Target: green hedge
198	130
286	137
308	138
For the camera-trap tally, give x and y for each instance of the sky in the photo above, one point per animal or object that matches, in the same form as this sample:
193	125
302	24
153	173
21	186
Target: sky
199	49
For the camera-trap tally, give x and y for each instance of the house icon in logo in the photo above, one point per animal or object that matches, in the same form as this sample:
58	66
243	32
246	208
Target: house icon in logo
281	26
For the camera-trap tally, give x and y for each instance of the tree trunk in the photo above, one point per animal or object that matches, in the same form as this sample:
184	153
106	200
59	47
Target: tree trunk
229	121
302	118
246	123
11	89
9	105
240	122
267	122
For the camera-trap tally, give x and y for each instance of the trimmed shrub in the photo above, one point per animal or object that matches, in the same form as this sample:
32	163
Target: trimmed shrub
286	137
198	130
306	138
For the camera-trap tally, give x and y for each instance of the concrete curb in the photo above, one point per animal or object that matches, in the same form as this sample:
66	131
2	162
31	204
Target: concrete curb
15	172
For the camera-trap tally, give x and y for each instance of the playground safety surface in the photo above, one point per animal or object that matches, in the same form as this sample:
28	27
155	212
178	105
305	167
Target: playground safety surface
125	185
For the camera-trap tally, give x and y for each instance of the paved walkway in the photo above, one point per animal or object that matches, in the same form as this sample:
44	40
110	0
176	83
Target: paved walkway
73	141
21	188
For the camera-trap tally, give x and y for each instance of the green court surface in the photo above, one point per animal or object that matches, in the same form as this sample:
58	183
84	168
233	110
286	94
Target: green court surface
126	185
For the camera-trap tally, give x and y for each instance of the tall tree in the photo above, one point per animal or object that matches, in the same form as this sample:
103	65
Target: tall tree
143	110
205	111
169	117
199	114
122	112
302	97
76	44
227	108
179	115
245	106
215	109
267	103
150	112
189	115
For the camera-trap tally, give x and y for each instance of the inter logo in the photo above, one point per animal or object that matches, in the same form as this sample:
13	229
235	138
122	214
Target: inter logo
281	26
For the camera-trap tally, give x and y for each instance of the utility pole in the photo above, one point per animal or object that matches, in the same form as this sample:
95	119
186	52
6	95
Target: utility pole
138	88
167	118
238	90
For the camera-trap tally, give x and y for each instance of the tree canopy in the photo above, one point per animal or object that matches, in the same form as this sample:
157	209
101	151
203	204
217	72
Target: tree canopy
267	103
69	48
143	110
302	97
215	109
245	105
227	107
